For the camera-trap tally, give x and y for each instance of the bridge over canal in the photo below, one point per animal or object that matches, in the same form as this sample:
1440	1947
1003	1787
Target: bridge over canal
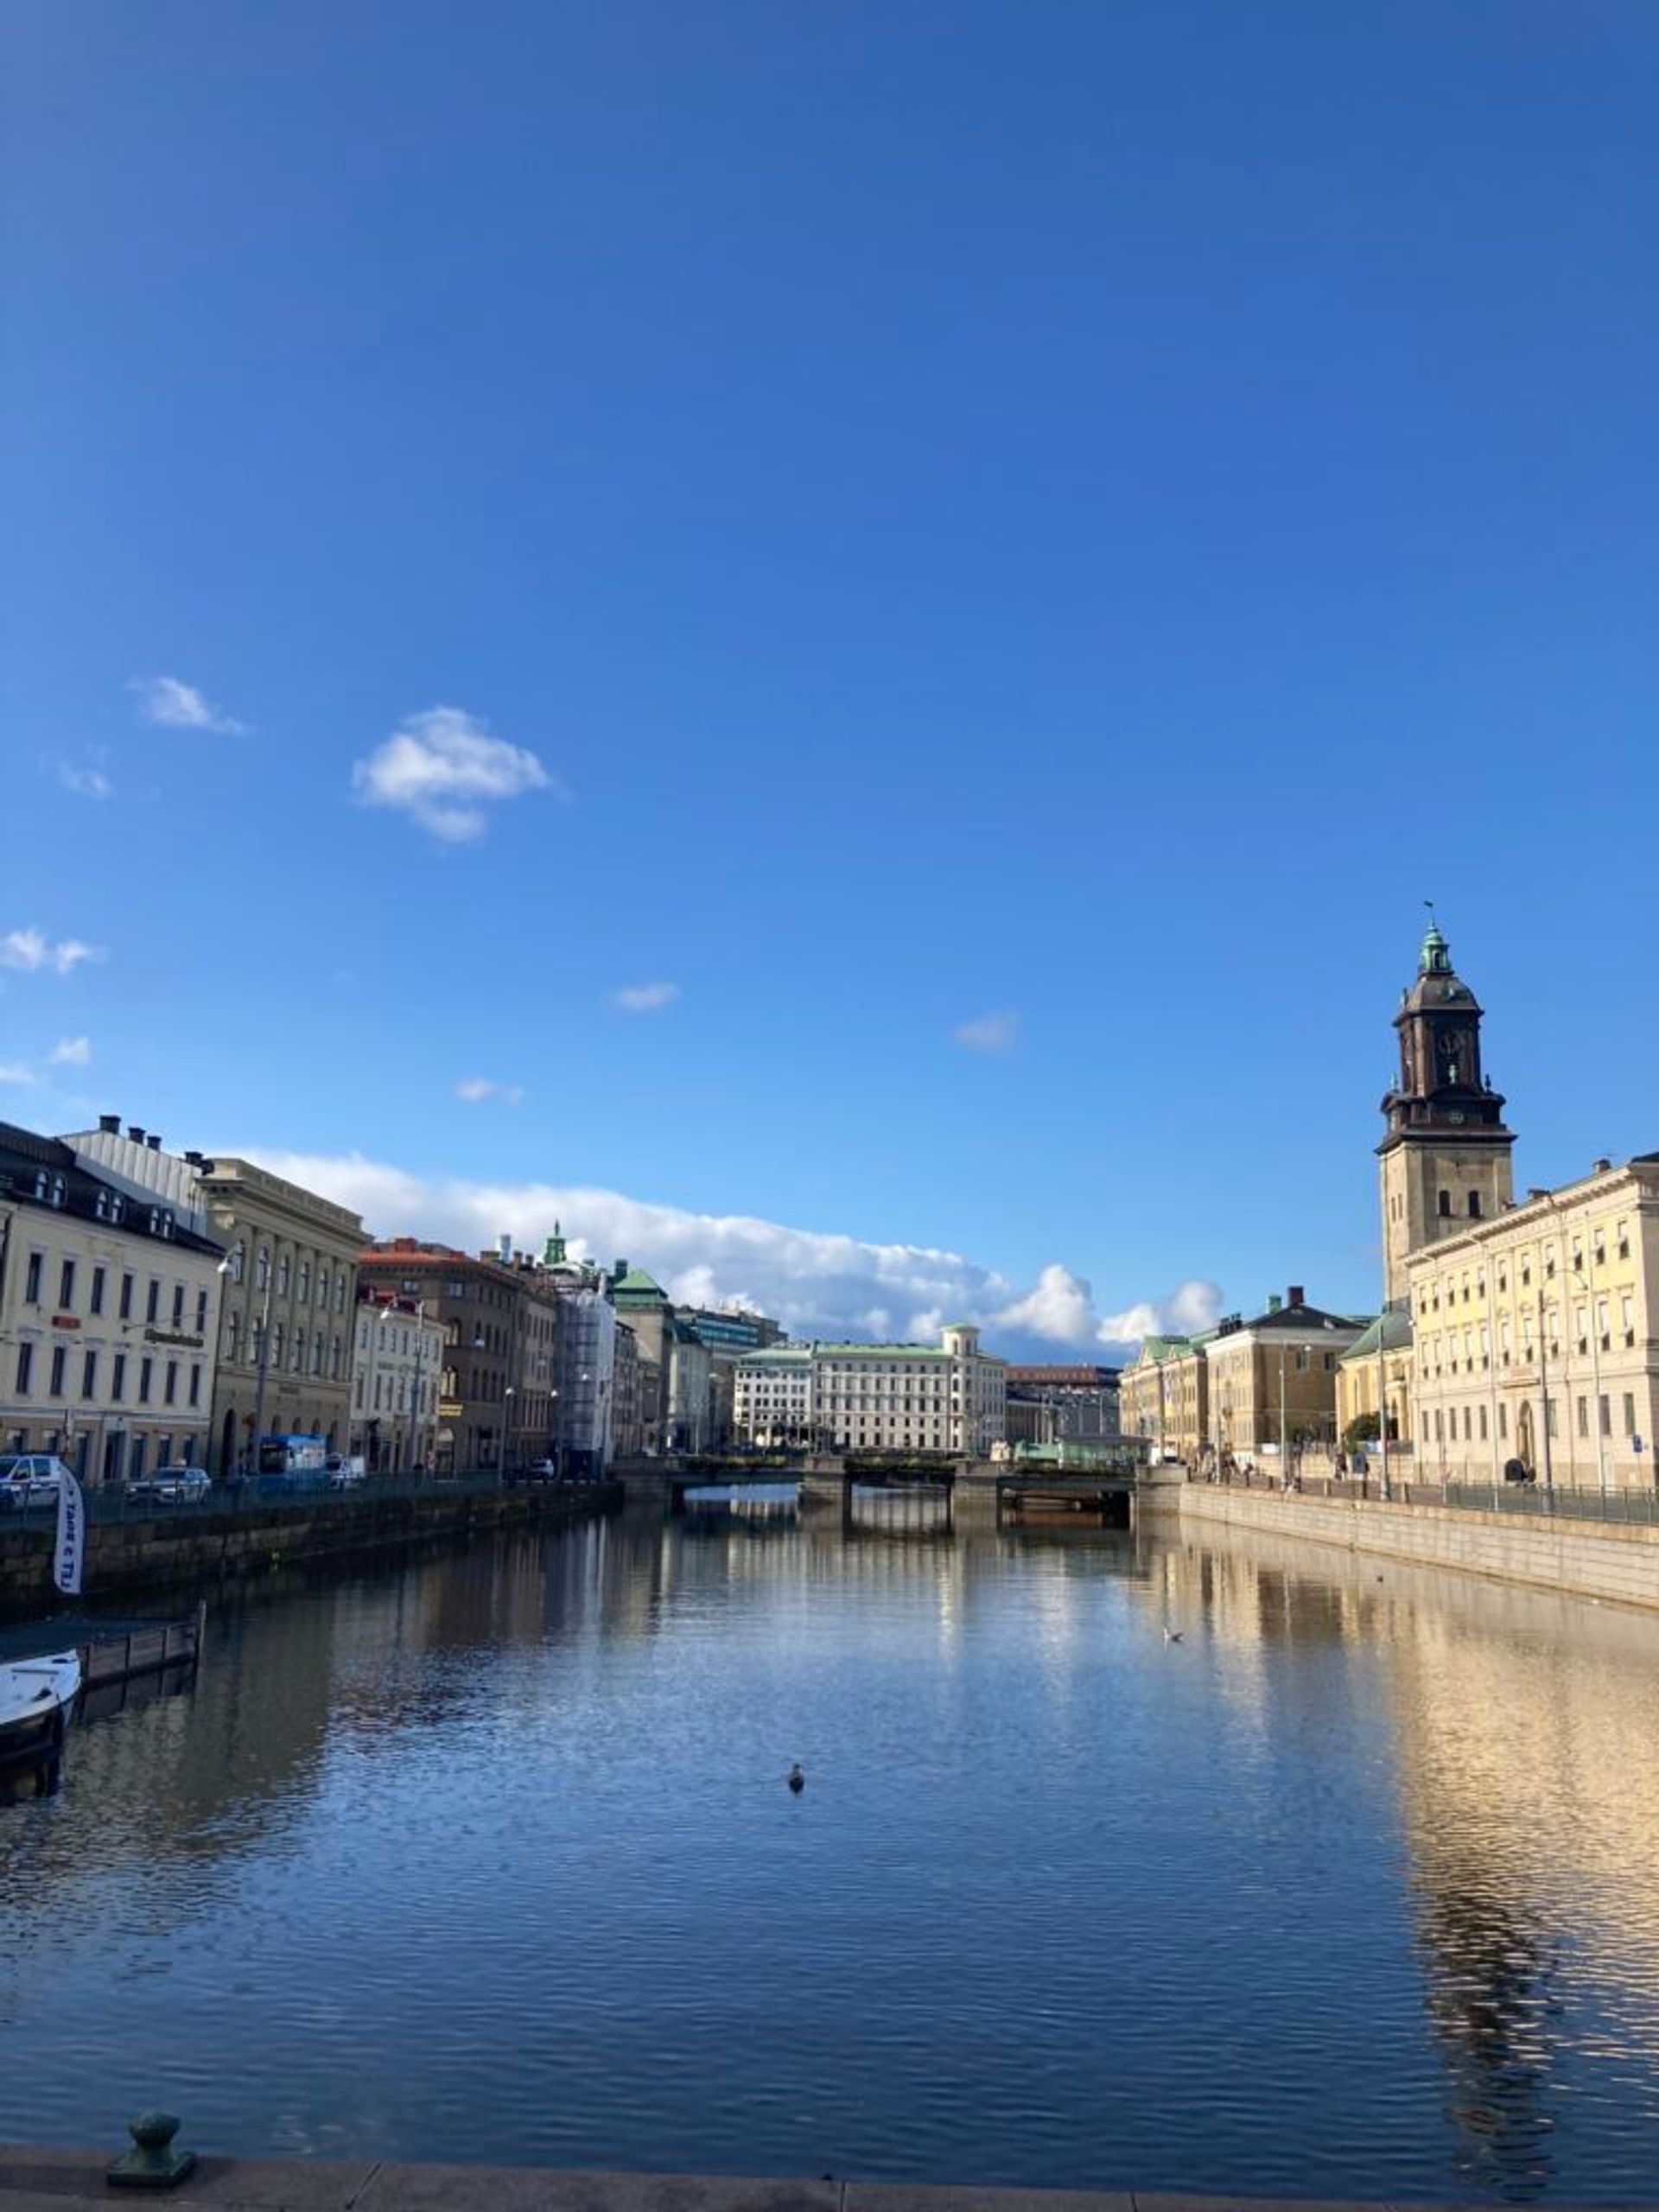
1010	1491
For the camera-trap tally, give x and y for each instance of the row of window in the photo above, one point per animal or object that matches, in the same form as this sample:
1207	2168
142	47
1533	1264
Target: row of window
296	1273
1430	1301
59	1371
1475	1429
383	1394
52	1189
35	1277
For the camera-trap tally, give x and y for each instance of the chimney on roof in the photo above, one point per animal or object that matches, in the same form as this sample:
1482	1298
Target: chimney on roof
1273	1302
193	1160
108	1125
135	1133
1296	1295
153	1141
1601	1168
1535	1191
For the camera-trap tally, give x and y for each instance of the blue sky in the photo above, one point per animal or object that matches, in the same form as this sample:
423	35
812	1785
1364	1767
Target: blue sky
1053	524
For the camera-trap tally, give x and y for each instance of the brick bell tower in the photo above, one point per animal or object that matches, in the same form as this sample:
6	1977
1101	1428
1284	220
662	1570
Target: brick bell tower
1445	1159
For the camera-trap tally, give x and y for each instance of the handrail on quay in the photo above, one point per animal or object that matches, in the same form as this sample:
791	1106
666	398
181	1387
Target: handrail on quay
259	1494
1567	1501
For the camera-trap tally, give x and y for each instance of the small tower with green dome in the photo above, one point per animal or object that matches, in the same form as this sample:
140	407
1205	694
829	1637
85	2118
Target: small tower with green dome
1445	1157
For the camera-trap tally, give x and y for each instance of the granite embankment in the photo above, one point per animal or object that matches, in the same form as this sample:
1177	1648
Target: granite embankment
172	1548
1611	1560
60	2181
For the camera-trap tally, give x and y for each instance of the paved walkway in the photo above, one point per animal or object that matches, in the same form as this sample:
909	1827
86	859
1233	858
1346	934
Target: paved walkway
60	2181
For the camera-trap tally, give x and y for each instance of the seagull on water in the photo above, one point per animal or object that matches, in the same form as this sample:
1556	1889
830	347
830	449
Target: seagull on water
1172	1636
796	1778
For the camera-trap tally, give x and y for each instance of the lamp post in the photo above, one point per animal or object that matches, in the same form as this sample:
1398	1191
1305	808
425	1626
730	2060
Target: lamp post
1595	1361
1382	1396
262	1357
1284	1413
1543	1389
265	1368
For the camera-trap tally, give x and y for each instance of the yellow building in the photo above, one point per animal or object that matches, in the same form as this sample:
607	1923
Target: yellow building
109	1314
1533	1336
1164	1398
1381	1359
1273	1380
1514	1333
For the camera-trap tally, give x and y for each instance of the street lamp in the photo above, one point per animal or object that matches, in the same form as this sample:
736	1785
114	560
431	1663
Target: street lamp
1594	1327
227	1267
1302	1352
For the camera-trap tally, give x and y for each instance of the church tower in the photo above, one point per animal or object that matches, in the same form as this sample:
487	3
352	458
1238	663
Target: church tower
1445	1159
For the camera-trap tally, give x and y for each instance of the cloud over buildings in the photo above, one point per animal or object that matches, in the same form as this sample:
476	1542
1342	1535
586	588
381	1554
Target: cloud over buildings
817	1282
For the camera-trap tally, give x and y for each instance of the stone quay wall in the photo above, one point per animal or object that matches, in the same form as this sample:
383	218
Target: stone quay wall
159	1552
1612	1561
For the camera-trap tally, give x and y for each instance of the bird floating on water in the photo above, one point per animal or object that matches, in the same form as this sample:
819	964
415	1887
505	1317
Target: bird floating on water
796	1778
1172	1636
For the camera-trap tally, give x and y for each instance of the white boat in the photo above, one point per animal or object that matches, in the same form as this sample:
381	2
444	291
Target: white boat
35	1699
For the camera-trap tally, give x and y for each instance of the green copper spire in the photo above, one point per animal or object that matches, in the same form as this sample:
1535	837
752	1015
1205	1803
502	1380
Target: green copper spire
553	1249
1435	958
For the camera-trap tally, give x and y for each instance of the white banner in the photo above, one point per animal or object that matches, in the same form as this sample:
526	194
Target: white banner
71	1555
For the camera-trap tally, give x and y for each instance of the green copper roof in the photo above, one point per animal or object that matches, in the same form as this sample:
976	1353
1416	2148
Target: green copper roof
1389	1332
1435	958
638	1284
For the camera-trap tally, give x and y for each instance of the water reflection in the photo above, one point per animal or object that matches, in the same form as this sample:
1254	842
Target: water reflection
1344	1892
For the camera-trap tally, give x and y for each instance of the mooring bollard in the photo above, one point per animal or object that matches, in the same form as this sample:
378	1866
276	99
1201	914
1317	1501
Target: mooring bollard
152	2163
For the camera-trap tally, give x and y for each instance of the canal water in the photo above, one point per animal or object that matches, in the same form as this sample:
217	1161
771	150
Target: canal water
1349	1892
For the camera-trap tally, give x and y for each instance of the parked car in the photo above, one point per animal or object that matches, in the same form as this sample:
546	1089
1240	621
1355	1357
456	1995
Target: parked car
174	1485
27	1477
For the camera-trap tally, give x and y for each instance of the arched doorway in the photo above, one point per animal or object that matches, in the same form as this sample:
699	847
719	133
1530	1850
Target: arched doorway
1524	1435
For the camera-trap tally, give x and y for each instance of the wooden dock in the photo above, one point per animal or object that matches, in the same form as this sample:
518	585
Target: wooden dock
143	1648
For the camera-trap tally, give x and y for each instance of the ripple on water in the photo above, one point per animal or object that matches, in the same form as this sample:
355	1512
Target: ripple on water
491	1857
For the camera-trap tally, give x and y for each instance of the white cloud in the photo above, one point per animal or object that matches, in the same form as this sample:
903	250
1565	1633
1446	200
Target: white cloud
86	782
175	705
645	998
815	1282
14	1071
475	1089
990	1033
32	950
442	767
1058	1306
1189	1307
70	1052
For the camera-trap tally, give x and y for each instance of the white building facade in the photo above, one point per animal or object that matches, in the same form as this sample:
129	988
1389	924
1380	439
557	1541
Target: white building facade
772	1398
851	1397
398	1357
